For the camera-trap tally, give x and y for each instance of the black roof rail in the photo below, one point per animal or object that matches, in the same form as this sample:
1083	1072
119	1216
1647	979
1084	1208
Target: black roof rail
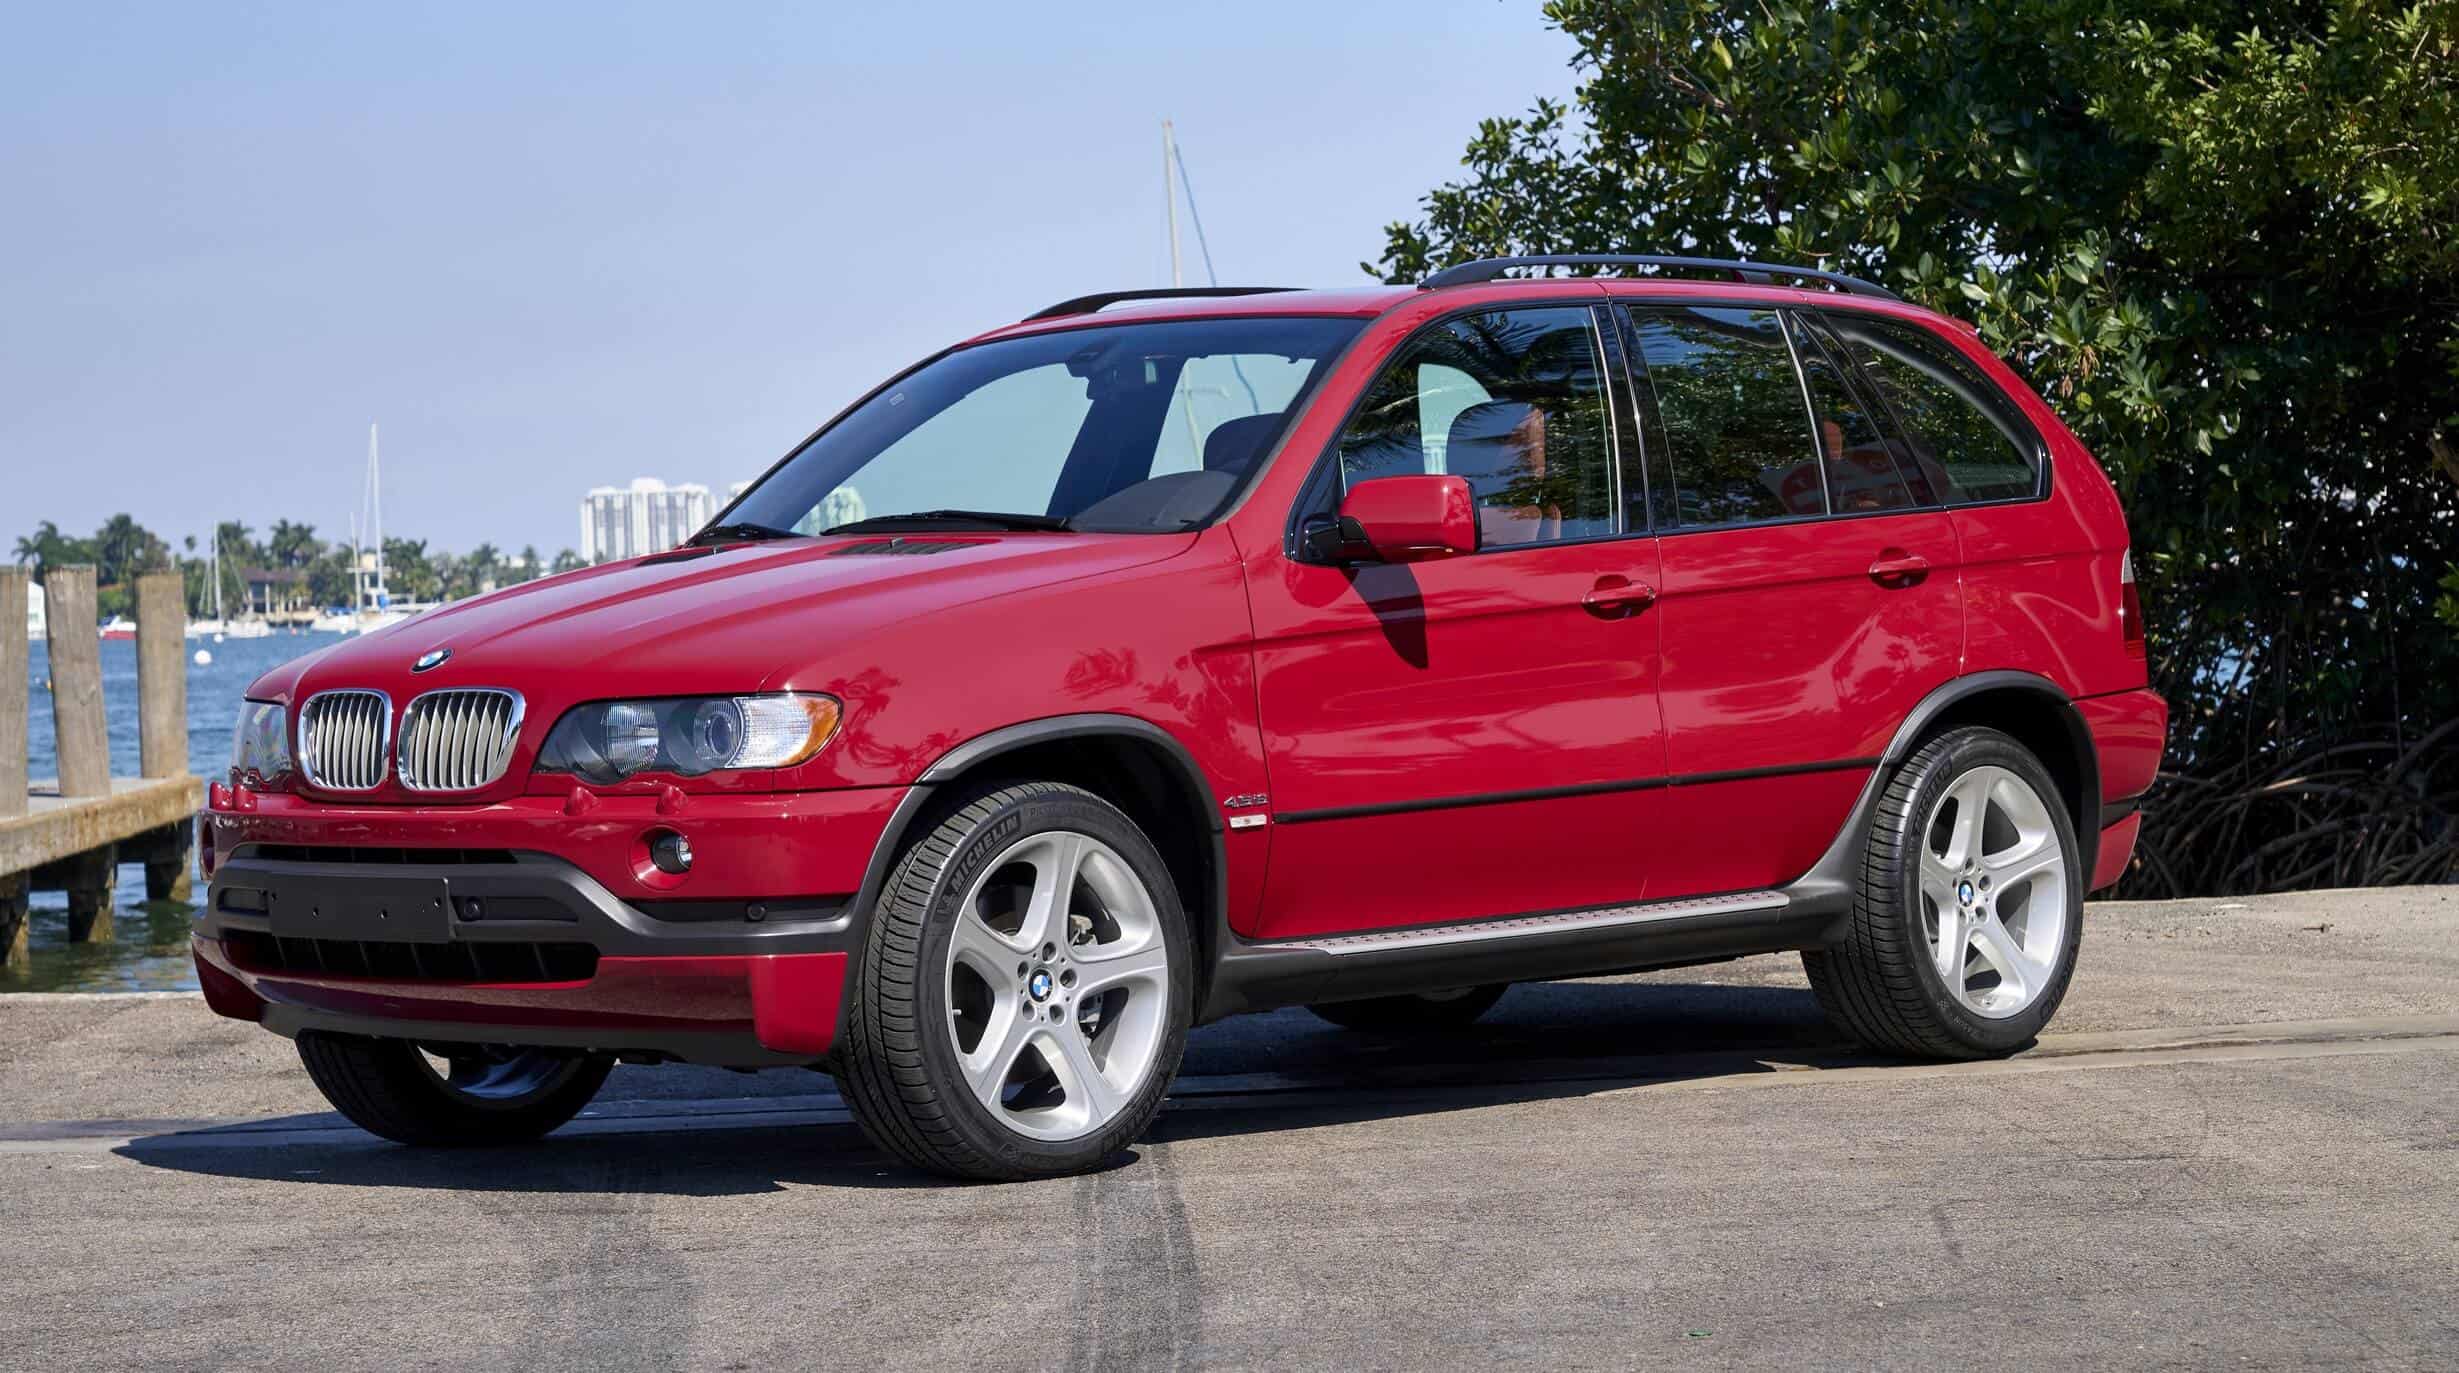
1758	273
1083	305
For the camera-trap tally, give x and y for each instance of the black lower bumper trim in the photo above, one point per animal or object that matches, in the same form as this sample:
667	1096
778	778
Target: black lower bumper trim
534	900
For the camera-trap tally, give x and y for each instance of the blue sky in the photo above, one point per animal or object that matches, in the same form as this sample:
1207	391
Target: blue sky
554	246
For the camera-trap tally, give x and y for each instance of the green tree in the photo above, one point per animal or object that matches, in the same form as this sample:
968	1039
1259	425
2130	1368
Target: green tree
567	561
409	572
47	548
531	568
293	545
2216	235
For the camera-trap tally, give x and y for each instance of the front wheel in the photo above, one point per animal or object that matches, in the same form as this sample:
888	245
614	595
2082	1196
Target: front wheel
451	1094
1969	907
1025	990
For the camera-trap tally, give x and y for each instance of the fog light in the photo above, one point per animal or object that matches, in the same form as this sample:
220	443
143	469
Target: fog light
671	852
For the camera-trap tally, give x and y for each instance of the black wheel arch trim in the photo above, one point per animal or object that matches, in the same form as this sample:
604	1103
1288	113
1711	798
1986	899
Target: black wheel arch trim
957	762
1830	880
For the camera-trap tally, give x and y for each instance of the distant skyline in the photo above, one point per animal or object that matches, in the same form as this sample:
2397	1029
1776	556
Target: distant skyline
556	247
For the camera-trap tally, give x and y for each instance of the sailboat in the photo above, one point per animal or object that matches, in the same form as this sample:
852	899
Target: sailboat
219	628
375	607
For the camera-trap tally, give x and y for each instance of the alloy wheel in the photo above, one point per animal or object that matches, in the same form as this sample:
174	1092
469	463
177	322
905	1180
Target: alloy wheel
1058	986
1993	892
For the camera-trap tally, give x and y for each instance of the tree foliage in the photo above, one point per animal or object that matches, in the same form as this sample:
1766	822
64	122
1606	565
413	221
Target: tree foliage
2219	238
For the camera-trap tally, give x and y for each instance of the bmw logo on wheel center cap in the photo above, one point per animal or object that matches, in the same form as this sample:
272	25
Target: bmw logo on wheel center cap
433	657
1040	986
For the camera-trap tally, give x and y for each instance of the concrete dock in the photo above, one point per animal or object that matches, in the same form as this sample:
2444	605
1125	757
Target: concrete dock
2236	1150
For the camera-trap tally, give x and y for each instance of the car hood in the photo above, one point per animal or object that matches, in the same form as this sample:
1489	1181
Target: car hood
734	618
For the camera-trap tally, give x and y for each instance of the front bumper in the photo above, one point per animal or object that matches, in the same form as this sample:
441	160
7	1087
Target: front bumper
409	924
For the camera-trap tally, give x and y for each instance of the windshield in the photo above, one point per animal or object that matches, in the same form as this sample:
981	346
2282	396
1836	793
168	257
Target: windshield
1130	427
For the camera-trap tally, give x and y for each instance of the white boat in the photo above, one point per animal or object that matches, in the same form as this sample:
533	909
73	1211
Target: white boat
247	629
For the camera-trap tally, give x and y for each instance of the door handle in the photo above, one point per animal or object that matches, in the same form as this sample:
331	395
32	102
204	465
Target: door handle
1615	597
1895	567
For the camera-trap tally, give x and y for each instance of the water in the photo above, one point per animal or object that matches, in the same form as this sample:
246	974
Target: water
151	950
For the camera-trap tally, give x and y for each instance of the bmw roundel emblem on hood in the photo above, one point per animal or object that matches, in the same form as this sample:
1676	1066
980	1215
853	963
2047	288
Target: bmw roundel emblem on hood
433	657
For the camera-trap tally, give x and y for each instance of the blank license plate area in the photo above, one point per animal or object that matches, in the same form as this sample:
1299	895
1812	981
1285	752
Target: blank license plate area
410	909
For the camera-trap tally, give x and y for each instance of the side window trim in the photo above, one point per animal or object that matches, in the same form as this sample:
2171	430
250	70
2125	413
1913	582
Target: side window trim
1810	414
1606	377
1626	370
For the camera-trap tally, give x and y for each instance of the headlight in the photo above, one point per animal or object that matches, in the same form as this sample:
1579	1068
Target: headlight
260	746
612	740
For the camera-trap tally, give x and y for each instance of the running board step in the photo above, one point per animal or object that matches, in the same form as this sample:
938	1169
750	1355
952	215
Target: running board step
1499	931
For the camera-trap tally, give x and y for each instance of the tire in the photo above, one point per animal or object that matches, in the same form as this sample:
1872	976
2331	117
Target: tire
1886	983
493	1094
985	1052
1414	1011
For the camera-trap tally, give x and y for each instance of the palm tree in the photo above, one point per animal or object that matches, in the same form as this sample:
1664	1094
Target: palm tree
294	545
34	549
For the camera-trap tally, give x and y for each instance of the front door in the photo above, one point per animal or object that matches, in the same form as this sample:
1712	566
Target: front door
1476	736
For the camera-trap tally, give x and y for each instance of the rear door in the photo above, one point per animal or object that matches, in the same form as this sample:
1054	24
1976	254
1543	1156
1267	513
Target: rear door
1809	595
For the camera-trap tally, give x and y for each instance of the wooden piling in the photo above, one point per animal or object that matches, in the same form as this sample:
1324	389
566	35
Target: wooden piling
162	675
91	880
82	734
15	654
15	895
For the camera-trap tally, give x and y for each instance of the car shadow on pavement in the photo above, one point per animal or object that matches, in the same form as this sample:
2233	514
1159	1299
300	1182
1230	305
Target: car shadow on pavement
1284	1071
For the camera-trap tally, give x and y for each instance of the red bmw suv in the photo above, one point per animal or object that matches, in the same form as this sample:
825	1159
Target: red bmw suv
1173	654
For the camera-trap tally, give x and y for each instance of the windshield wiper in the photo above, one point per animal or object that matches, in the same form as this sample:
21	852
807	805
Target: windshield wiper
739	533
938	519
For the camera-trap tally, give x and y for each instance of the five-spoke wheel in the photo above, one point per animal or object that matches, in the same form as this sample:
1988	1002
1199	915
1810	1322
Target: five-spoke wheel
1058	985
1966	918
1993	891
1025	988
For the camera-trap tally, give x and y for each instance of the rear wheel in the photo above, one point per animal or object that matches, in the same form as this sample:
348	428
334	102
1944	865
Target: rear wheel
1446	1010
1025	989
1969	907
451	1094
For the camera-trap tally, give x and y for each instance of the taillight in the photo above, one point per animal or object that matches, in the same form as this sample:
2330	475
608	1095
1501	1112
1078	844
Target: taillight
2129	605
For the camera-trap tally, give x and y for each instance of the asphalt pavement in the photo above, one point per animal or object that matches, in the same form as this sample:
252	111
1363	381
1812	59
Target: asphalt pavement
2238	1148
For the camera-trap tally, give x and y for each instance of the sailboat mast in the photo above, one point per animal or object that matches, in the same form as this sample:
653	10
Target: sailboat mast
1169	194
375	505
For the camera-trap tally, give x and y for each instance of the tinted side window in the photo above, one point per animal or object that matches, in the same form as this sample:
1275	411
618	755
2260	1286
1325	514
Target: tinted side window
1970	443
1736	436
1512	400
1861	472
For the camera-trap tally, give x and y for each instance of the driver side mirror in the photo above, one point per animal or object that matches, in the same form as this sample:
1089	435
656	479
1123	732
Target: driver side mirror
1404	520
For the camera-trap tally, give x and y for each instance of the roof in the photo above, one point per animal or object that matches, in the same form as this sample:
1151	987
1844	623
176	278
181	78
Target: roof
1369	301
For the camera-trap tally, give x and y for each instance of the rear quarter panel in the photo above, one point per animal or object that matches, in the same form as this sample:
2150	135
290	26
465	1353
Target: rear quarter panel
2041	576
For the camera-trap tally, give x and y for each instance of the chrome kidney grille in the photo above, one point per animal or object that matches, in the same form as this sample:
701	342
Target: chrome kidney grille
343	737
458	740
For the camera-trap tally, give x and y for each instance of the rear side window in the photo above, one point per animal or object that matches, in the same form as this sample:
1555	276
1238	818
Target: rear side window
1969	442
1730	417
1861	471
1512	400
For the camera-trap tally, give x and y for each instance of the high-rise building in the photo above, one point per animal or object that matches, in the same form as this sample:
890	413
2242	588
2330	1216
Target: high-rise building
647	517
